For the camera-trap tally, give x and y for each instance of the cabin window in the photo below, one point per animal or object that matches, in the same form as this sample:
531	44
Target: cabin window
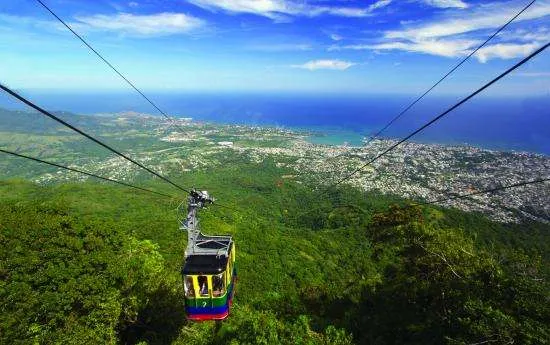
188	286
218	285
203	286
228	275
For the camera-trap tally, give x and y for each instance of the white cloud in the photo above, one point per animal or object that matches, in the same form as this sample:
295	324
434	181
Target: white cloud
379	4
447	48
505	51
14	22
351	11
452	48
267	8
281	47
489	16
541	34
336	37
279	9
446	3
143	25
326	64
456	34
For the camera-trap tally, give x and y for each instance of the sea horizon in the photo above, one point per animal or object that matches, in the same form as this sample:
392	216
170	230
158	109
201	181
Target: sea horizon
491	122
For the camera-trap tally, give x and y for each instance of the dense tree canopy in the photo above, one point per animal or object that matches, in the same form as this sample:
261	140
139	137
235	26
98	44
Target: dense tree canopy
94	263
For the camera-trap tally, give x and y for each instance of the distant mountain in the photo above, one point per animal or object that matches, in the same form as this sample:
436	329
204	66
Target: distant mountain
33	122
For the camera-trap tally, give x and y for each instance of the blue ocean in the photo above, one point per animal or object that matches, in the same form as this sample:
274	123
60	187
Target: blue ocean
502	123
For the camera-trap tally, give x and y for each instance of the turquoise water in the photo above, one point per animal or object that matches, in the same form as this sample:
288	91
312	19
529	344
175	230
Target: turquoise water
512	123
336	137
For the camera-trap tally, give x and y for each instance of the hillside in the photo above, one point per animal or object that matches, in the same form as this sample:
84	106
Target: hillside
416	171
89	262
310	172
95	263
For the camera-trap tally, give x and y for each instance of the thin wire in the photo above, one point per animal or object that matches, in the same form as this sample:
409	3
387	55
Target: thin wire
50	115
440	80
437	118
450	72
461	196
492	190
109	64
83	172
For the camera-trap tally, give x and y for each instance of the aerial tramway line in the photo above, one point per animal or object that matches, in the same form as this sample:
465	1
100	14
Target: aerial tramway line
209	272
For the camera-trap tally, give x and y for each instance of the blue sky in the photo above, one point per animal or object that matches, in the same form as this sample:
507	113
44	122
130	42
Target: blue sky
345	46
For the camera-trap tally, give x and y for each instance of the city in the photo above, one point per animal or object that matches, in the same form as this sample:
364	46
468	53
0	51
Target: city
416	171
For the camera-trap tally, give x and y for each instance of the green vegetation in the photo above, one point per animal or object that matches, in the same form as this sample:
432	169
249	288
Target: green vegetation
95	263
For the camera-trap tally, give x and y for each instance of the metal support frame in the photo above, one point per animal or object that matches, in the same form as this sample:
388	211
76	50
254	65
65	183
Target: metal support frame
198	243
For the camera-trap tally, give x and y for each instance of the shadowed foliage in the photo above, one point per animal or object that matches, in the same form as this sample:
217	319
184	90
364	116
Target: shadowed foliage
96	263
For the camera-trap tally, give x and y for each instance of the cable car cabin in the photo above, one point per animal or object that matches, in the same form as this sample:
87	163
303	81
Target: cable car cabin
209	273
209	278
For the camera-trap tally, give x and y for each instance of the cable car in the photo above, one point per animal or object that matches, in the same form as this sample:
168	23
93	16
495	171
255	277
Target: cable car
209	273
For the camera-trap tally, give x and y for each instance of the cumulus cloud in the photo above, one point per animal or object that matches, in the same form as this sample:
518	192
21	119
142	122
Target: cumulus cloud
451	35
326	64
143	25
280	9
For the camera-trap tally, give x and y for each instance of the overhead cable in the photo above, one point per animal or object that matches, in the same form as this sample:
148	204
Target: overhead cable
82	172
437	118
97	141
449	73
492	190
418	99
109	64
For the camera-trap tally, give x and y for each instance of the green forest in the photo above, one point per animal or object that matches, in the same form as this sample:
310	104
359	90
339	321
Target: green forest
97	263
